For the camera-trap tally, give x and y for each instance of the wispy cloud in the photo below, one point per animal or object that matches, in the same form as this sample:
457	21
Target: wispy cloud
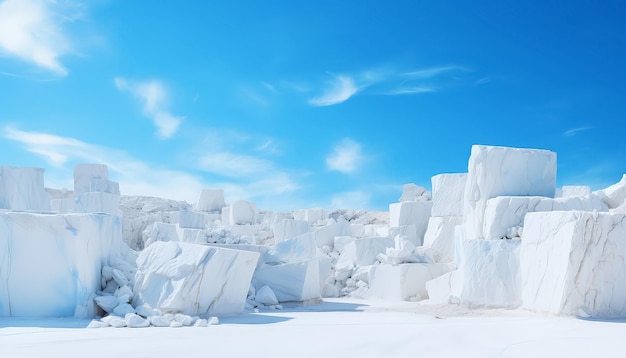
340	90
154	98
345	157
432	71
32	30
387	81
572	132
233	165
140	178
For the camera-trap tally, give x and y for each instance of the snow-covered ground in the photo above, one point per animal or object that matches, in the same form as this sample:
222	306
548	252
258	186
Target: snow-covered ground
335	328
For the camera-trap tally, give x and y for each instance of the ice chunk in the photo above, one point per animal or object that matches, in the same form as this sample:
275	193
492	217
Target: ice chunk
448	192
107	303
85	173
210	201
439	237
286	229
404	281
295	281
491	274
501	171
135	321
573	261
50	265
413	192
21	188
193	279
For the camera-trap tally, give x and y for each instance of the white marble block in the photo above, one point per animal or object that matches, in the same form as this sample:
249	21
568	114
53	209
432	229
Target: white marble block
242	212
439	237
97	203
615	194
286	229
160	231
413	192
502	171
446	288
411	213
22	188
193	219
178	277
573	263
291	282
325	235
210	201
85	173
404	281
568	191
505	214
363	251
311	215
409	232
448	193
50	264
491	273
100	185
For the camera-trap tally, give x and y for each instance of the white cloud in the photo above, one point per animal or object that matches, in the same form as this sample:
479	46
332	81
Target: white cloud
410	90
32	31
341	89
137	177
432	72
350	200
572	132
346	156
154	98
233	165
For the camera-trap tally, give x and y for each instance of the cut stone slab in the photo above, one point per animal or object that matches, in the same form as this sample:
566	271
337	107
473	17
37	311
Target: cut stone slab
178	277
291	282
572	263
50	264
502	171
448	193
404	281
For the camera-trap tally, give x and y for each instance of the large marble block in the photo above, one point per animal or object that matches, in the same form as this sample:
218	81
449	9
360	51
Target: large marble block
411	213
362	251
210	201
439	237
291	282
413	192
97	202
491	273
325	235
404	281
178	277
568	191
573	263
84	174
50	263
448	192
313	215
240	212
615	194
160	231
286	229
22	188
504	213
502	171
446	288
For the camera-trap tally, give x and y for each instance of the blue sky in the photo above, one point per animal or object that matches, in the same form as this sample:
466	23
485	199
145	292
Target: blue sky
306	104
